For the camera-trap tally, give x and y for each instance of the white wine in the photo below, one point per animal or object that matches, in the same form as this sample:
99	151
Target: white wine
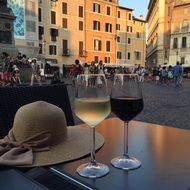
92	110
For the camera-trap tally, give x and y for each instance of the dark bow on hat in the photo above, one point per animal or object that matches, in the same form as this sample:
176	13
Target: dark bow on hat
13	153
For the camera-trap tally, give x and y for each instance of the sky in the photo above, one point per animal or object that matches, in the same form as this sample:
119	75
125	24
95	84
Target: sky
139	6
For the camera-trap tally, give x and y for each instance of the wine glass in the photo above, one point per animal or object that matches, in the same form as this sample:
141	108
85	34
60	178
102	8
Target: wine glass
92	105
126	102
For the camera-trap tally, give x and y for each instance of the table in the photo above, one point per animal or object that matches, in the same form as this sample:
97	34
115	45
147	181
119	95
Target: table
164	153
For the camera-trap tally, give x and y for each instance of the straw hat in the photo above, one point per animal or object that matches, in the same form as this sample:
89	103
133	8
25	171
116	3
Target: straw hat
42	126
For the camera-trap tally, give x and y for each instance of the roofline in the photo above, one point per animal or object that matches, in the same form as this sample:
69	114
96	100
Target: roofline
126	8
149	9
149	3
139	19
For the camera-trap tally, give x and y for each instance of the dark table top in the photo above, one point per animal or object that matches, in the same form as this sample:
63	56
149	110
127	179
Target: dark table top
163	151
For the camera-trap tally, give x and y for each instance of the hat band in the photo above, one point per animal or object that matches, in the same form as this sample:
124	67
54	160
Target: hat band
13	153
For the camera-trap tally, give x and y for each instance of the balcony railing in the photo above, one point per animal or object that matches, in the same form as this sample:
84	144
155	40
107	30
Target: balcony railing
66	52
82	53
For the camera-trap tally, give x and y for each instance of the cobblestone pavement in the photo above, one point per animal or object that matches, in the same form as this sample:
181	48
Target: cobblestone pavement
165	105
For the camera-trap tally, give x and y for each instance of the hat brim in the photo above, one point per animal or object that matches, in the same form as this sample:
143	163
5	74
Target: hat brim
77	145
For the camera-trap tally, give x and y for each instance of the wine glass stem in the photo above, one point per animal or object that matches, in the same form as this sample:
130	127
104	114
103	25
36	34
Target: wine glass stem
126	126
93	159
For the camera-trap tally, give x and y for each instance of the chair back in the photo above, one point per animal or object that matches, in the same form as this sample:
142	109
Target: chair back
12	98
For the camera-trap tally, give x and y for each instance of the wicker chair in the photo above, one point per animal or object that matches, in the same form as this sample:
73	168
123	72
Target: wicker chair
12	98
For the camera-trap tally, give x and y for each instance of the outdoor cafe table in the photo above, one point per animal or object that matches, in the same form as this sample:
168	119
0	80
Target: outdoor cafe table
164	153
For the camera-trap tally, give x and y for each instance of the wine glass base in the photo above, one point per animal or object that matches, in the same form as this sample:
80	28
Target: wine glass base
126	163
90	170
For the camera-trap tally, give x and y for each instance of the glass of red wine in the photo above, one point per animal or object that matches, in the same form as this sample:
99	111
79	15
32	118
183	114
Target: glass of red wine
126	102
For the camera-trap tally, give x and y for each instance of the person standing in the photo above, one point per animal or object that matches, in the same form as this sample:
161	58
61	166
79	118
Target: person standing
177	71
6	71
181	76
35	72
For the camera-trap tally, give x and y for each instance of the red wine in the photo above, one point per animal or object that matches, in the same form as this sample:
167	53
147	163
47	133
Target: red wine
126	108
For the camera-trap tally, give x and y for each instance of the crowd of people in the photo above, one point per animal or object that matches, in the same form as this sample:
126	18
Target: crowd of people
10	74
162	75
159	75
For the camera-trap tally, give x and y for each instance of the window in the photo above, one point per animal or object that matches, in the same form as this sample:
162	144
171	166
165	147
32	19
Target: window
108	44
96	8
128	55
129	16
183	60
129	29
117	26
108	27
166	54
96	59
96	25
184	42
118	39
129	40
39	14
97	45
65	47
40	32
185	24
30	26
107	59
81	11
137	55
40	49
54	34
80	47
118	55
64	8
81	25
30	8
138	35
52	50
53	17
108	11
175	43
64	22
118	14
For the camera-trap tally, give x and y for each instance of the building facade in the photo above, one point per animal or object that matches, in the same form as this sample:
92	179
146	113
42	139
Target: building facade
26	26
64	30
180	34
155	41
168	32
131	37
100	30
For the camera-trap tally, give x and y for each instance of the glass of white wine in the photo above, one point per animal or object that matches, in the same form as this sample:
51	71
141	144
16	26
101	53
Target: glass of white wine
92	105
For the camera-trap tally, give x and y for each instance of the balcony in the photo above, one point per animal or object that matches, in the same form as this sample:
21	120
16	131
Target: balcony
82	53
66	52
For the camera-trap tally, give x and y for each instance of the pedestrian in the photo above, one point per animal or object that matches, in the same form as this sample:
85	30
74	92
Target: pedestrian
181	76
35	72
164	74
157	75
170	74
6	70
177	73
15	78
